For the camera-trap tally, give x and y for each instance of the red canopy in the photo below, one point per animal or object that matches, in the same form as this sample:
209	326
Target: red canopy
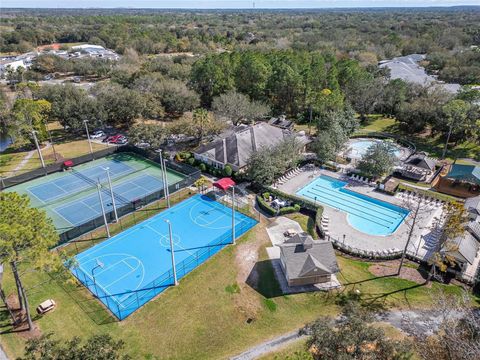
68	163
224	184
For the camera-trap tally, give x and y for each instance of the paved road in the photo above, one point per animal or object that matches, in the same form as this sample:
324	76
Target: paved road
410	322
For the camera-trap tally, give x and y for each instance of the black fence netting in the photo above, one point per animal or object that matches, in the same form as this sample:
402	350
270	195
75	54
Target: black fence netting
53	168
124	206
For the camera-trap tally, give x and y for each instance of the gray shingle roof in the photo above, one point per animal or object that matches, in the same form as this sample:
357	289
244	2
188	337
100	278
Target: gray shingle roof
422	161
305	257
235	149
474	228
467	248
473	204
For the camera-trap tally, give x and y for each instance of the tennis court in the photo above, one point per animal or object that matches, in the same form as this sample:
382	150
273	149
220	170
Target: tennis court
71	199
129	269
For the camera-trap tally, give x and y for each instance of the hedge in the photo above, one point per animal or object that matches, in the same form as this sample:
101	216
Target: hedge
289	209
304	203
265	207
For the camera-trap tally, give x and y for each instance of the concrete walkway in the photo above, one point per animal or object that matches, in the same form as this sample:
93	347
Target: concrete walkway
339	227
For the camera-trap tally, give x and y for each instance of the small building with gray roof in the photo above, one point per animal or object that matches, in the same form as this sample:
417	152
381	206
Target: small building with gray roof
305	261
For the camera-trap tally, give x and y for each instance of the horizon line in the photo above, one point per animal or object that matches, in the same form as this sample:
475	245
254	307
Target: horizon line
246	8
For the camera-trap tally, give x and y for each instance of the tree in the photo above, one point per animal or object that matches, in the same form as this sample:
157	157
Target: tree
378	160
364	94
198	124
176	97
153	134
457	334
238	107
455	114
118	106
269	162
454	226
353	336
96	347
29	115
71	106
26	233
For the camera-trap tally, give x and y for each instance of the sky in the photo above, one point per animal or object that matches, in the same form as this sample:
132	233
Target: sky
229	4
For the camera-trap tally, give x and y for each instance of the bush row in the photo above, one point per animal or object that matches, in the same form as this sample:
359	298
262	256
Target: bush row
263	204
304	203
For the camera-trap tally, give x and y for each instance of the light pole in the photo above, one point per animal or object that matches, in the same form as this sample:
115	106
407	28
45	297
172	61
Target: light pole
172	252
233	214
107	169
163	167
34	132
88	137
103	208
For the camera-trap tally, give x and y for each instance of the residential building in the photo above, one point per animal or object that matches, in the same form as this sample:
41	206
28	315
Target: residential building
235	148
305	261
472	205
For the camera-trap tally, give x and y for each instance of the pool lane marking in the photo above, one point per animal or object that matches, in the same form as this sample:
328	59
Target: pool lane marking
362	203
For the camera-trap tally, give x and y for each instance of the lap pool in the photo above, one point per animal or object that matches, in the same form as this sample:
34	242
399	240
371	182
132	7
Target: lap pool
366	214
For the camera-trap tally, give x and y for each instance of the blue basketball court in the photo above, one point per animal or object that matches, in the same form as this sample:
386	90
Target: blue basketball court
129	269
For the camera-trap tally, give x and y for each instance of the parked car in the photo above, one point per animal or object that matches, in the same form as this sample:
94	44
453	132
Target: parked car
112	138
97	134
142	145
122	141
46	306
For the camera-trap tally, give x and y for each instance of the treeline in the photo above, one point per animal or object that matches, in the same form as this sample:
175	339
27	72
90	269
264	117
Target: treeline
291	82
368	35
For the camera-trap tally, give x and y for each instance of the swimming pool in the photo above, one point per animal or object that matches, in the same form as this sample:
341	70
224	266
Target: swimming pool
358	148
366	214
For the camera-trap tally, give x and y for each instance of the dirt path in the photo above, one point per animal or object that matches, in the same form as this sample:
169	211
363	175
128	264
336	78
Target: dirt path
26	158
409	321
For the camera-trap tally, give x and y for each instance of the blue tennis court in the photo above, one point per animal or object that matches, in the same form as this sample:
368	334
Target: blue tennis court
78	212
129	269
64	186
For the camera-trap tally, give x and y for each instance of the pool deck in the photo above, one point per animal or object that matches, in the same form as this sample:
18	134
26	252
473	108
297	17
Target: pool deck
340	229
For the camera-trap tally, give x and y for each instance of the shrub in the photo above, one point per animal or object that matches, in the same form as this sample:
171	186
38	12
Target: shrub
289	209
266	195
265	207
202	167
227	170
191	161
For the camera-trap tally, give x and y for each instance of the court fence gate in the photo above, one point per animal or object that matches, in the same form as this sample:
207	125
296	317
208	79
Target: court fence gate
140	297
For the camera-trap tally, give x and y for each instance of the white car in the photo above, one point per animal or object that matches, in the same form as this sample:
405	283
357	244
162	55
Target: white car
97	135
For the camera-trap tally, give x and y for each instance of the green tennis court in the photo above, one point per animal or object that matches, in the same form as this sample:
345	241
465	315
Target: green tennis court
71	198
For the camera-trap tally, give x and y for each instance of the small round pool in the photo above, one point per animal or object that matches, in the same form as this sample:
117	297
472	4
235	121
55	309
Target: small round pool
357	148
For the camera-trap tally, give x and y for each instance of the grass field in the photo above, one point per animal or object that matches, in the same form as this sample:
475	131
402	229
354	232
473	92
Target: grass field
203	318
431	144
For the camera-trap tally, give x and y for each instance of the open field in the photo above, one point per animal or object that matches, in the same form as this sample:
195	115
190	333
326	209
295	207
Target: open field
19	159
431	144
188	321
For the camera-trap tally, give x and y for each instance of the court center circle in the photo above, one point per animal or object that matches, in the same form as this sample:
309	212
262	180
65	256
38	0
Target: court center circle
165	240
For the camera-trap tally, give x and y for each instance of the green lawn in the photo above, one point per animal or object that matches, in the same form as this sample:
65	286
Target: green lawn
203	318
431	144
